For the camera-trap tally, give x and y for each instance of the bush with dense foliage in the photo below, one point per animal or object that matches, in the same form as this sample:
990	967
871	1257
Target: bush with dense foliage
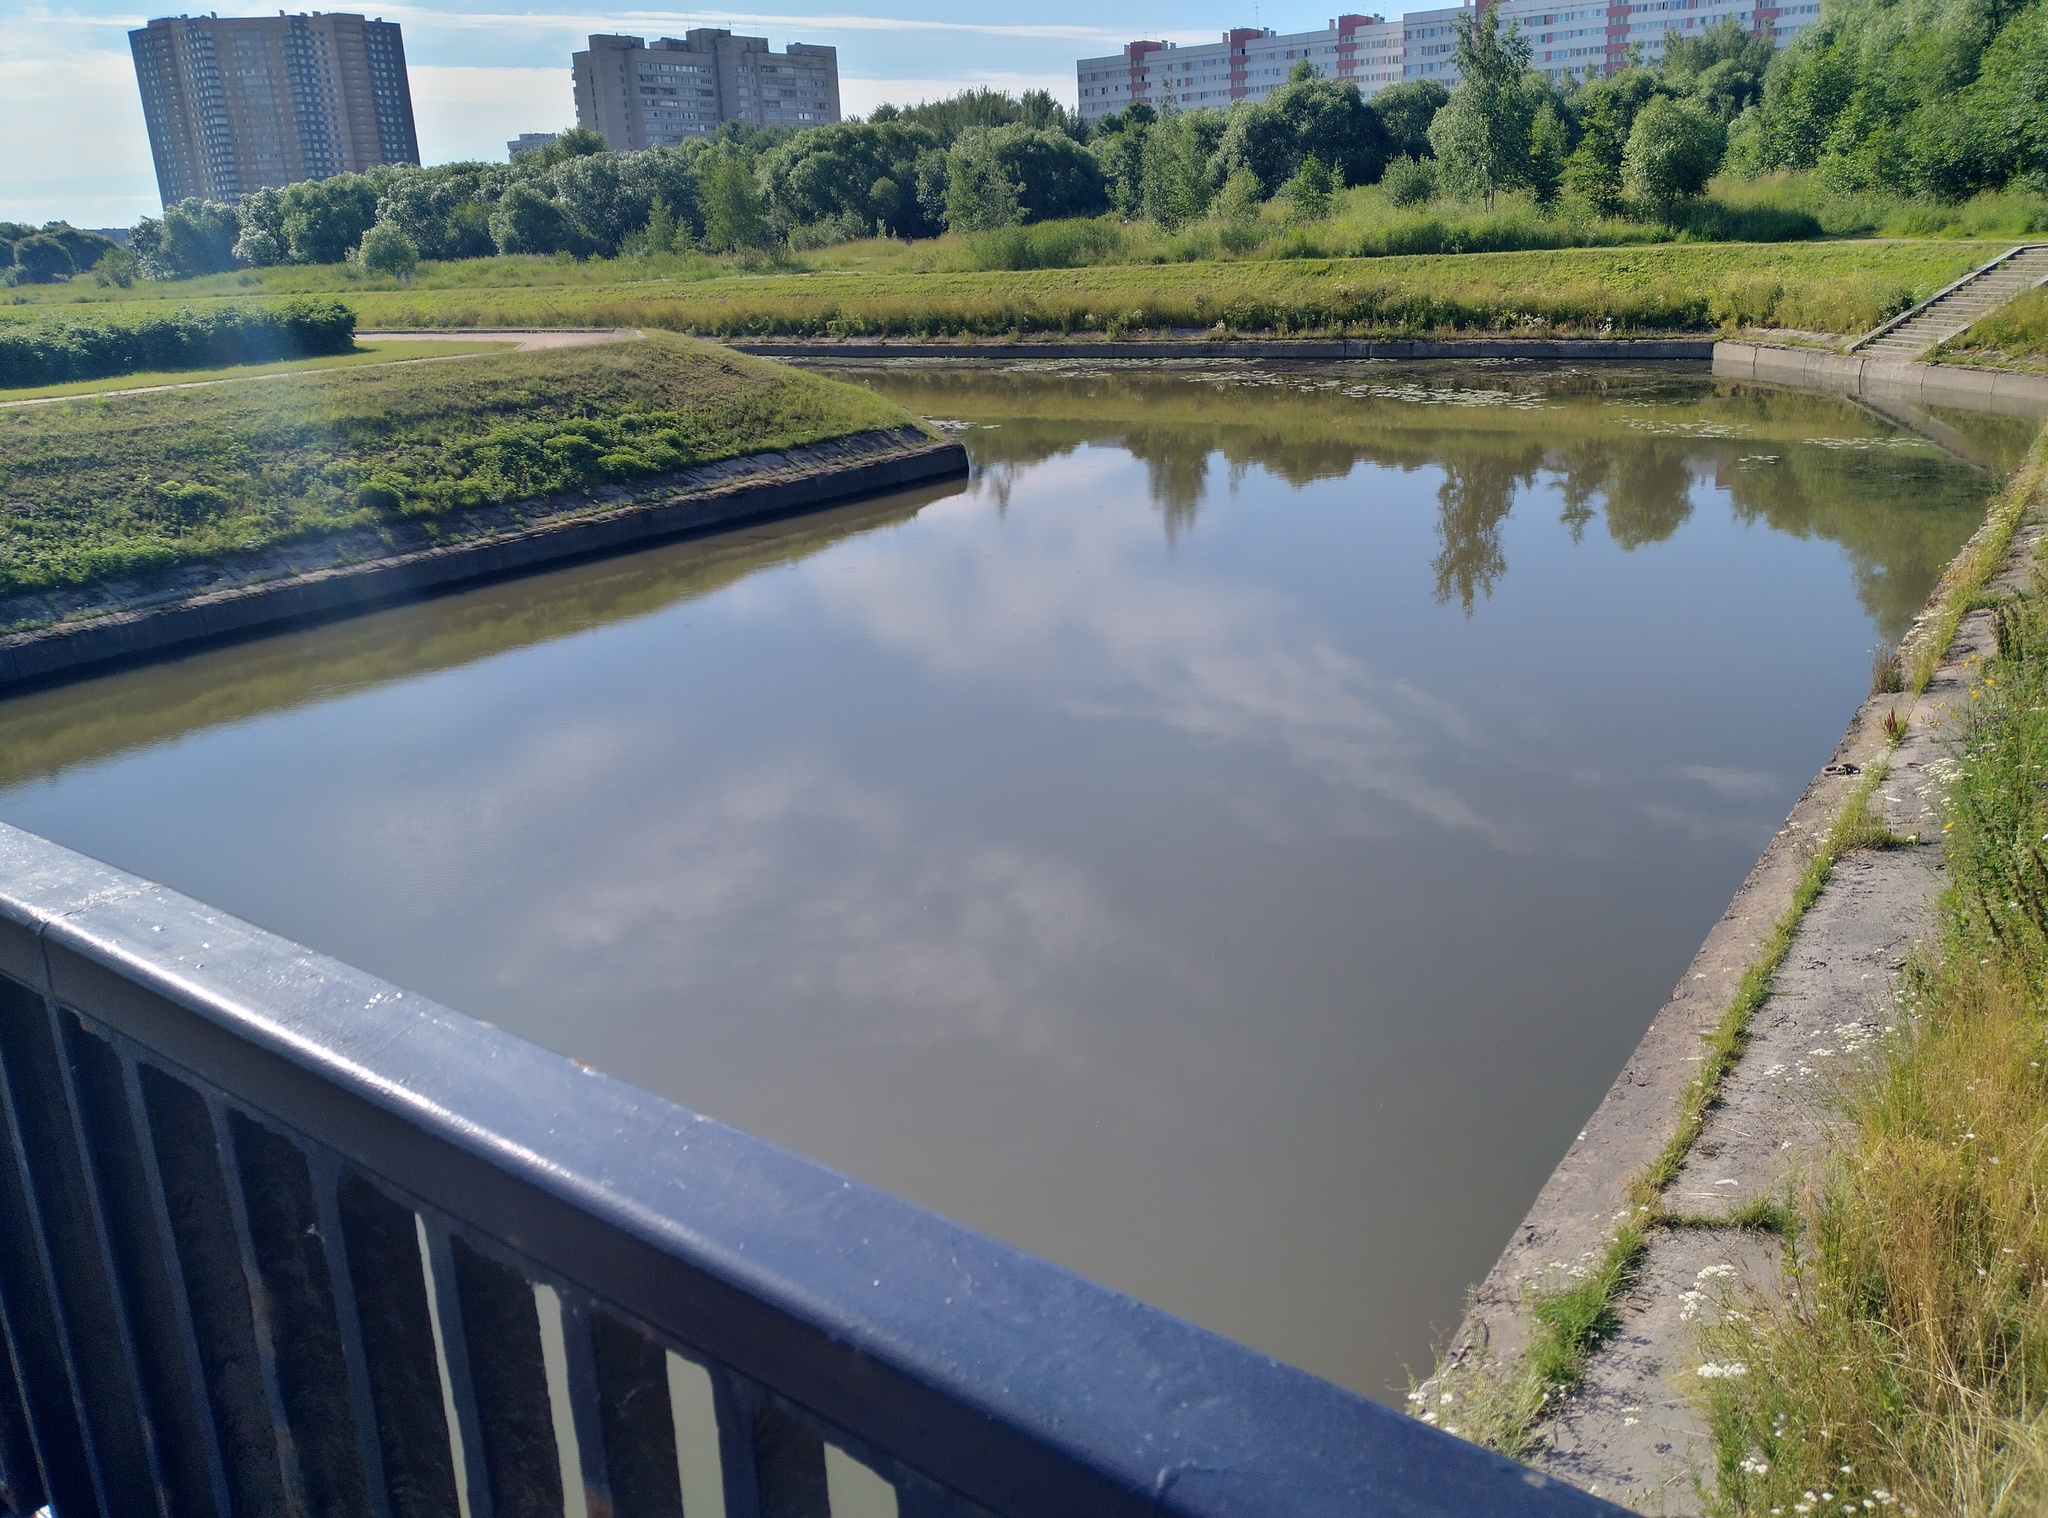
55	354
42	255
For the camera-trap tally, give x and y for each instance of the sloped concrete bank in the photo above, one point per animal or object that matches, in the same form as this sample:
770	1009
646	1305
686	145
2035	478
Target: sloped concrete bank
2008	392
355	572
1198	345
1629	1432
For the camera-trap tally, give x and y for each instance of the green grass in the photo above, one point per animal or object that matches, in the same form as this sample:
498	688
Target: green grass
383	351
903	289
2010	215
1909	1353
135	487
2014	336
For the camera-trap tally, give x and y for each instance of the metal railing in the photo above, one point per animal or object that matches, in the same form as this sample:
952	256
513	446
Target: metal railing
277	1238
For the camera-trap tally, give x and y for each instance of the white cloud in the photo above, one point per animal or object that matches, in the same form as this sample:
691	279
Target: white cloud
83	154
1076	615
471	113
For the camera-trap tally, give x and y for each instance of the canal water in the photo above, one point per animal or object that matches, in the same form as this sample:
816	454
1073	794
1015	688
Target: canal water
1227	847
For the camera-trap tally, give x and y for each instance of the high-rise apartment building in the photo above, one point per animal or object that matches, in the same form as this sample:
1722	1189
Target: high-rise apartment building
234	104
1249	63
642	96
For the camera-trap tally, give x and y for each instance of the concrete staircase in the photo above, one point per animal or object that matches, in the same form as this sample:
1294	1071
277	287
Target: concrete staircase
1948	312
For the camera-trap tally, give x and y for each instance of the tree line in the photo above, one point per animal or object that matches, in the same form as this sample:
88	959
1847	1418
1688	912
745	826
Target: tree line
1940	98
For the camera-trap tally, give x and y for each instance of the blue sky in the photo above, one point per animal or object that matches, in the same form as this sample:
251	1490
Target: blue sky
483	72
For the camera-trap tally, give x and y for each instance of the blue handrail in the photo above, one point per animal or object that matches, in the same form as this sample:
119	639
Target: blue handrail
278	1237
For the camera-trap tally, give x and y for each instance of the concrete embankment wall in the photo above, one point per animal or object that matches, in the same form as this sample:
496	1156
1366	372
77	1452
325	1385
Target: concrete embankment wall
798	480
1582	349
2004	391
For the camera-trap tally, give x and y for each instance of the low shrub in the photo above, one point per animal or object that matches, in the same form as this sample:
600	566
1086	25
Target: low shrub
1046	245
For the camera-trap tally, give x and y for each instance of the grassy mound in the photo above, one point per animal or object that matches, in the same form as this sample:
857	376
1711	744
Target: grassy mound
137	486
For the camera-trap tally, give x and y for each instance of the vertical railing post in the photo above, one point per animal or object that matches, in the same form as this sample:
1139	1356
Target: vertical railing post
447	1299
325	1168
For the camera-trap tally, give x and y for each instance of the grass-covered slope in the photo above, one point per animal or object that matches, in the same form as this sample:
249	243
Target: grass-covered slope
1835	287
1832	287
122	487
2015	335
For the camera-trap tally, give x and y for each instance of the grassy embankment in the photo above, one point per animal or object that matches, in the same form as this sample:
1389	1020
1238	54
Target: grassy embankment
1905	1407
2015	337
135	487
379	351
1839	287
1907	1361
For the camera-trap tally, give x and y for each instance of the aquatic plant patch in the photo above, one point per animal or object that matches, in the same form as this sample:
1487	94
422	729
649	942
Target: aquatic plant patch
126	487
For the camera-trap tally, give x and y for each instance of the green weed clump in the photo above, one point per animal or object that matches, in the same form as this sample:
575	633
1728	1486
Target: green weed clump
1907	1362
137	486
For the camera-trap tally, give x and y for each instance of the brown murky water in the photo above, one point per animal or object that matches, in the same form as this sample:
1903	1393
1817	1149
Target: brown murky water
1227	848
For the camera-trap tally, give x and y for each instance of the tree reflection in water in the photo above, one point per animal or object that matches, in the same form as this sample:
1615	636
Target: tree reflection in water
1631	445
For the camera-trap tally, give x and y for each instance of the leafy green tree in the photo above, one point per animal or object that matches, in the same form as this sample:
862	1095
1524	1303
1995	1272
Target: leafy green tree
192	237
570	142
1674	148
735	216
445	210
664	232
1307	116
980	194
1550	144
1410	181
324	218
2010	97
832	171
601	194
1055	176
526	221
1606	110
1933	97
1405	111
117	267
1312	188
1119	153
1721	69
1238	201
386	250
1481	135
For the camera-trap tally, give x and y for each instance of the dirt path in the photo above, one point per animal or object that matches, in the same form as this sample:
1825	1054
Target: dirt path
521	340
